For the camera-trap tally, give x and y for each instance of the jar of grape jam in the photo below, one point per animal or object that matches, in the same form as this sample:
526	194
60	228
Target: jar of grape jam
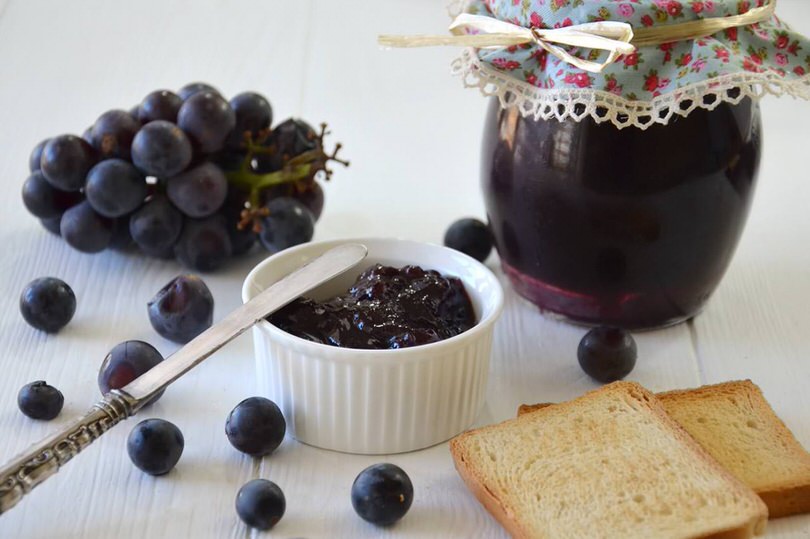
631	228
622	143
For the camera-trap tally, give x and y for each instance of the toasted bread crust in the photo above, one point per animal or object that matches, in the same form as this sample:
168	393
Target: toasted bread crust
784	502
476	485
743	532
506	517
782	499
529	408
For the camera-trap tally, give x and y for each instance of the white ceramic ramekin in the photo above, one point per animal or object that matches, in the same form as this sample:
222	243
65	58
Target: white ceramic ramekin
377	401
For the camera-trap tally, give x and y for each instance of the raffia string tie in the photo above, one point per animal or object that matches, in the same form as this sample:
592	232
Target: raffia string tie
618	38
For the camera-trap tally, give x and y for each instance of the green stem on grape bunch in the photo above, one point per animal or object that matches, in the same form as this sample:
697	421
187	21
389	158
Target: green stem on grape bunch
255	183
296	170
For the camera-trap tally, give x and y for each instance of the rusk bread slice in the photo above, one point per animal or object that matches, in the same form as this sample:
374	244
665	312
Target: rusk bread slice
611	463
736	425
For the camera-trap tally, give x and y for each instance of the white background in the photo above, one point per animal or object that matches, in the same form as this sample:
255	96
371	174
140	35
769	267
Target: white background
413	135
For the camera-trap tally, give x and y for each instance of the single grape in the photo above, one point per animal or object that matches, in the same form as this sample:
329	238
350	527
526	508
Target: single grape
194	88
121	238
607	354
85	230
159	105
253	115
36	156
309	193
241	240
266	163
38	400
276	191
207	119
382	494
47	304
204	244
229	160
115	188
113	133
155	446
44	200
471	237
293	137
289	139
124	363
161	254
260	504
256	426
312	197
52	224
289	223
182	309
161	149
66	160
199	191
156	226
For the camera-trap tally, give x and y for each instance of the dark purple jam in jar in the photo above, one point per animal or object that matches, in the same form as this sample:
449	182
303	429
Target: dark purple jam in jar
627	228
385	308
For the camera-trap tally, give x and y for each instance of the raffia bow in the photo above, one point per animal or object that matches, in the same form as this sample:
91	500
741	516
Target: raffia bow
618	38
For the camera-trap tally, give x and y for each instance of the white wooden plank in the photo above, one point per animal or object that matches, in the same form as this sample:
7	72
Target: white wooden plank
63	64
756	326
413	135
410	129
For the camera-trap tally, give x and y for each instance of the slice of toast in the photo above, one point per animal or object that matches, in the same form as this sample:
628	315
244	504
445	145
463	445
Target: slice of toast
736	425
611	463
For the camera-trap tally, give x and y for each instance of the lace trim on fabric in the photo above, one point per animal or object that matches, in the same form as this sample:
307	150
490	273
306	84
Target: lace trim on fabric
576	104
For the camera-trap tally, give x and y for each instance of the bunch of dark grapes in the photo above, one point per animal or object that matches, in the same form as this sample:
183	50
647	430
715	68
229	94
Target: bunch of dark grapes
184	175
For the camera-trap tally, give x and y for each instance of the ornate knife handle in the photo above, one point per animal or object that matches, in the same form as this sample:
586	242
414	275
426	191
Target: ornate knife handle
44	459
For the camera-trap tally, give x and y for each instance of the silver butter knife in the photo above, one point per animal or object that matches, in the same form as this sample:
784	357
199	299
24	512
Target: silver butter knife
26	471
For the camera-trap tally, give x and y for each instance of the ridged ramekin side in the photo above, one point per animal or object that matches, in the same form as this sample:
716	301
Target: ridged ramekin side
375	405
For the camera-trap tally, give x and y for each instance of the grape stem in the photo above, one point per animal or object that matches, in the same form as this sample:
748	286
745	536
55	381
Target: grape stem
299	170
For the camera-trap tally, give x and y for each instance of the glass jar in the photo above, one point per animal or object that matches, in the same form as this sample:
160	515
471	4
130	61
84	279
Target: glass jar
630	228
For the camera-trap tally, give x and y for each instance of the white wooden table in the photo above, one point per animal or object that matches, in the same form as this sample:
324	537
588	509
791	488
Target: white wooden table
412	133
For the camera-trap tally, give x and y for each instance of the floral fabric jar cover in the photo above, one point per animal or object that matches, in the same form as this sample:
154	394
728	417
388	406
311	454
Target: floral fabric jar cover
648	85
